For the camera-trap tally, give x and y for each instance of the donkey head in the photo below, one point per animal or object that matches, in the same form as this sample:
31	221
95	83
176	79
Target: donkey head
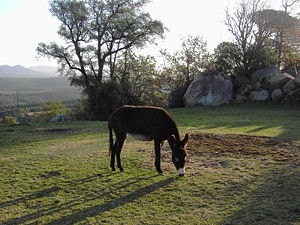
179	153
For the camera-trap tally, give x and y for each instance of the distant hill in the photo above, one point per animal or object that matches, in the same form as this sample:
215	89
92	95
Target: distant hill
23	72
45	69
36	90
11	85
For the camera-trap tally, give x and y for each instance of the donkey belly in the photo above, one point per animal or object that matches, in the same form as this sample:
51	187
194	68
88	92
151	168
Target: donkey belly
142	137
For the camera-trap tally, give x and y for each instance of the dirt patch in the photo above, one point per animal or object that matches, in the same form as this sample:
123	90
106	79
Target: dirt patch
237	146
217	151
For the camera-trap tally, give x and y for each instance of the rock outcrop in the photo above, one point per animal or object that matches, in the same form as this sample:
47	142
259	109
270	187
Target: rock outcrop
259	96
209	89
268	84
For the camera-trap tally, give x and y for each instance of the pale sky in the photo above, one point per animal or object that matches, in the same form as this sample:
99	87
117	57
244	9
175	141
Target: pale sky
25	23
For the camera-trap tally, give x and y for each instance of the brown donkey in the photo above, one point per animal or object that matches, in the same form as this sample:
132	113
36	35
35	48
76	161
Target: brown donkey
146	123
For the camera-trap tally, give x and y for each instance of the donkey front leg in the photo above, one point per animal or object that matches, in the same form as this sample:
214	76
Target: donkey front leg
157	146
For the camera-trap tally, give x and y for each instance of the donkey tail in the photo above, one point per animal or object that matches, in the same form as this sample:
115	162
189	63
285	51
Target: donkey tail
111	139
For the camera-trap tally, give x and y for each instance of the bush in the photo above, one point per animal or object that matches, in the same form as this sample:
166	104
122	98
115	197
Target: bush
176	97
9	120
105	99
80	110
52	108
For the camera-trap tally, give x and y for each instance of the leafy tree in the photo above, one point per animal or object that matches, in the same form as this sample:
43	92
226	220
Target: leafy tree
283	34
139	79
241	23
95	33
264	33
288	40
227	58
251	32
181	67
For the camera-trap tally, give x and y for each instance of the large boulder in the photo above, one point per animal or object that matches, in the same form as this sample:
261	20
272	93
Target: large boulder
277	95
259	96
242	84
293	96
240	98
270	78
297	80
261	78
289	86
279	80
292	70
61	118
209	89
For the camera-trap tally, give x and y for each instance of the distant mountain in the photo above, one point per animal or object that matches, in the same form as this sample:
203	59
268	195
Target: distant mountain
45	69
33	85
23	72
36	90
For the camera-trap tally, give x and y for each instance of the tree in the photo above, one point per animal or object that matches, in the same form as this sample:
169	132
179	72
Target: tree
227	58
139	79
289	41
283	34
242	24
289	5
183	65
95	33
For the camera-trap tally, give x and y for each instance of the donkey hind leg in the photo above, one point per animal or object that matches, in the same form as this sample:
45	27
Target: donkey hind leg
118	148
157	146
112	159
116	152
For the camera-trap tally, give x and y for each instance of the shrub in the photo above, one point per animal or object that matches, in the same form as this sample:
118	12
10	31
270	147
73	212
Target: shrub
52	108
105	99
176	97
9	120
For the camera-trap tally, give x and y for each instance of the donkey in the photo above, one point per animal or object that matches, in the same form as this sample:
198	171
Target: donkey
146	123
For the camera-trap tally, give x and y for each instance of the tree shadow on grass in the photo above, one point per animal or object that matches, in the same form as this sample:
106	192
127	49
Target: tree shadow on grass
249	119
91	211
114	203
277	201
49	190
285	133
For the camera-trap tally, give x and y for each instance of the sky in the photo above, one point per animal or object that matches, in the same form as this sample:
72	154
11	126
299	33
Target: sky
25	23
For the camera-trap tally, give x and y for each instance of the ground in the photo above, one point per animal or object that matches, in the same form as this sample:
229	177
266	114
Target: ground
207	150
59	173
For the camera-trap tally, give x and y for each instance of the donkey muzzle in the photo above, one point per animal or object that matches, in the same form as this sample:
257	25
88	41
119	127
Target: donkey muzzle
181	171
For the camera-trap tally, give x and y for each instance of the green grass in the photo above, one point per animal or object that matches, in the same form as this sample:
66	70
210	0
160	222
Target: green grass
59	174
265	120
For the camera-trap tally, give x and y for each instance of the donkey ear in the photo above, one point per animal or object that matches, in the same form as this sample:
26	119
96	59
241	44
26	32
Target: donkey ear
185	140
172	141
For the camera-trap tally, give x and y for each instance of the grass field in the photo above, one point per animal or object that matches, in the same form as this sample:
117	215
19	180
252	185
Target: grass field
243	168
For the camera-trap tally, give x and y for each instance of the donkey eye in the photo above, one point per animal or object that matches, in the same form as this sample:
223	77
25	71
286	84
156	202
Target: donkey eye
176	159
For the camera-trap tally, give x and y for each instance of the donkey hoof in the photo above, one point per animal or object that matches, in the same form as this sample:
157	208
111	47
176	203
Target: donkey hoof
113	169
121	170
